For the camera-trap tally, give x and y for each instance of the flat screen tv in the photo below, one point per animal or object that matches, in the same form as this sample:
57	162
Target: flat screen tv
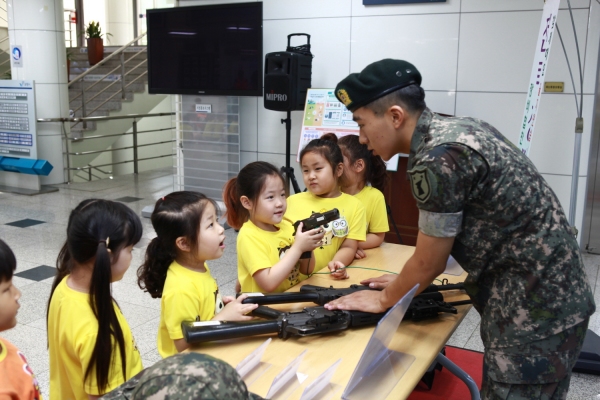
211	50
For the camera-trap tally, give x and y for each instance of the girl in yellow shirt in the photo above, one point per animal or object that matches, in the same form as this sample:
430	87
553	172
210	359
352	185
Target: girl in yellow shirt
322	165
175	269
91	347
362	168
268	253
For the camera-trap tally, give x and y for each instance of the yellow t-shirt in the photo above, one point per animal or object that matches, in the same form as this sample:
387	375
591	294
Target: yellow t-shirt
72	332
376	212
187	296
259	249
351	223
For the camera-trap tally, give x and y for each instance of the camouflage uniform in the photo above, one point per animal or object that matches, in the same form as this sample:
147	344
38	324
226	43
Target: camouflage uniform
185	376
526	276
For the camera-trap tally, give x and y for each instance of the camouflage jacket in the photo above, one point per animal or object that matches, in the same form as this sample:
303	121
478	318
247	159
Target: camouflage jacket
526	275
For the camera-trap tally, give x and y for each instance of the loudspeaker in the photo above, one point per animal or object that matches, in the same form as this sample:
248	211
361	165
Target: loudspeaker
287	79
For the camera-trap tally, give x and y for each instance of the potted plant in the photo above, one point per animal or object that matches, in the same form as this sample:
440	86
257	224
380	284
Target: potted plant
95	45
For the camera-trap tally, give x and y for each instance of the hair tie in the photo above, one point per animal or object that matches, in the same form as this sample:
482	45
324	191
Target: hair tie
106	242
163	198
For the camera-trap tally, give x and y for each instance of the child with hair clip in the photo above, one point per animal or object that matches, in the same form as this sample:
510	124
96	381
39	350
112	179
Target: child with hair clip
175	269
17	380
322	165
268	252
362	168
91	347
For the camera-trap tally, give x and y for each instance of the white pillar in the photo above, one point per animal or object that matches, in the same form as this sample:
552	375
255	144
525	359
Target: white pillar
37	26
119	22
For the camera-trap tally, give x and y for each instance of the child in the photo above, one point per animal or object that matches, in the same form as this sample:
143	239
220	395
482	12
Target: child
175	269
91	347
16	378
322	165
362	167
268	254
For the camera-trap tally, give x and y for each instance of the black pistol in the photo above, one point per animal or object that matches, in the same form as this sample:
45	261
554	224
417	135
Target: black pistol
314	221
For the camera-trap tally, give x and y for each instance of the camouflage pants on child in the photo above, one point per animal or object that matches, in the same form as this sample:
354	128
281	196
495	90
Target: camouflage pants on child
537	370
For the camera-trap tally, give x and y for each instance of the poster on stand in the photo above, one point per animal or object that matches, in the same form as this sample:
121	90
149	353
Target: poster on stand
324	113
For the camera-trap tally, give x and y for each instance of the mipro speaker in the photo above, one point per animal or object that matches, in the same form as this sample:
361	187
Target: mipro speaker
287	78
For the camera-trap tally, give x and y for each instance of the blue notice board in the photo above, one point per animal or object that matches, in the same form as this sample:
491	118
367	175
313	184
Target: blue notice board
379	2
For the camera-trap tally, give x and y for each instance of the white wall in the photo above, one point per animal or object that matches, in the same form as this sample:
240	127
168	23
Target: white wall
475	57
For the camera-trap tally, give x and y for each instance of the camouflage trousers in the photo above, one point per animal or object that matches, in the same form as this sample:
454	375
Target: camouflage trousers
537	370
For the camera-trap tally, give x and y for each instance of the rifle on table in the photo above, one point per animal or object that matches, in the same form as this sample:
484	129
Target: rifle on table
314	320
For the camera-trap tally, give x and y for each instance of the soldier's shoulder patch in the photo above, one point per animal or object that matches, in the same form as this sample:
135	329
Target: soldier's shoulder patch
420	183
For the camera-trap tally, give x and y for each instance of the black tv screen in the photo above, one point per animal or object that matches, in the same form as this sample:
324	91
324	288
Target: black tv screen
212	50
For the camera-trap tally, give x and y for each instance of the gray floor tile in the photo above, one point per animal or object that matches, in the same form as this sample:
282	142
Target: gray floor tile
39	324
584	387
34	300
465	330
39	273
474	342
137	315
21	282
152	356
145	335
148	363
227	289
124	292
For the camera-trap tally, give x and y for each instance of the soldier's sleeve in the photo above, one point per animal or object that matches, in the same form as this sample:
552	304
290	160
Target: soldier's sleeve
441	182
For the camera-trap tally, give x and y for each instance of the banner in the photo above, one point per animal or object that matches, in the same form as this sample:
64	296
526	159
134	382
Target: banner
538	73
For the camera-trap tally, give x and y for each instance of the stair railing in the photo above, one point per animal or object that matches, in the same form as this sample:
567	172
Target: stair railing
121	53
134	132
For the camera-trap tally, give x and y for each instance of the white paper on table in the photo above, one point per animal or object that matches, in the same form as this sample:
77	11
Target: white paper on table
250	362
320	383
288	373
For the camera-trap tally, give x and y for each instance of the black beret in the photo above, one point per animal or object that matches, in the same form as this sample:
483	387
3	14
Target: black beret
375	81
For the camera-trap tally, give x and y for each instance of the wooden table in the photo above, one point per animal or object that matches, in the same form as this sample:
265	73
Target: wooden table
423	340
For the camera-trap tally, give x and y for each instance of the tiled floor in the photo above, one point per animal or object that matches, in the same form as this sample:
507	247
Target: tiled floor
38	245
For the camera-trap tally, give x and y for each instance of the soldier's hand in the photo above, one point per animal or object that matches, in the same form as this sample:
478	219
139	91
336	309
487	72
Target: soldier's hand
365	300
380	282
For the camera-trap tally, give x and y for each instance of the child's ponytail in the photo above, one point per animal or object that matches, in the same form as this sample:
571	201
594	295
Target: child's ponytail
236	213
153	273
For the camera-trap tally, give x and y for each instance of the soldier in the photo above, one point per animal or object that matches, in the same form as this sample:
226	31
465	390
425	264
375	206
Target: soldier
185	376
482	201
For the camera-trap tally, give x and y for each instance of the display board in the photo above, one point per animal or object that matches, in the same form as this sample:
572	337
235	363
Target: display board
17	119
324	113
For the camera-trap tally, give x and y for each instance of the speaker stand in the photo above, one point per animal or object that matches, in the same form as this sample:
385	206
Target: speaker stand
289	172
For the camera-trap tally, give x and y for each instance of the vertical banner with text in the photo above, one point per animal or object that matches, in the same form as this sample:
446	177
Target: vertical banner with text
538	73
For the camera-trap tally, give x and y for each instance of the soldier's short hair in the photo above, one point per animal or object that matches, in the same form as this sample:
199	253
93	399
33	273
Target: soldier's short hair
411	98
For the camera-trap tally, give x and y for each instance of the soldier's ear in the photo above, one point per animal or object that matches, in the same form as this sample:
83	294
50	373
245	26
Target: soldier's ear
398	115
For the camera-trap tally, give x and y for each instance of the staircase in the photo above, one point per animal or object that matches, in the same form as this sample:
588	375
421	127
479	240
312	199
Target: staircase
116	86
102	93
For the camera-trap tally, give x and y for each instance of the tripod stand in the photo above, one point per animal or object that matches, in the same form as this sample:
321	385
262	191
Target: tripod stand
288	171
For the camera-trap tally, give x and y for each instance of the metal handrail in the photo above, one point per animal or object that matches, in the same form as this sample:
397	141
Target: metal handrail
92	119
123	75
121	54
135	146
118	51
